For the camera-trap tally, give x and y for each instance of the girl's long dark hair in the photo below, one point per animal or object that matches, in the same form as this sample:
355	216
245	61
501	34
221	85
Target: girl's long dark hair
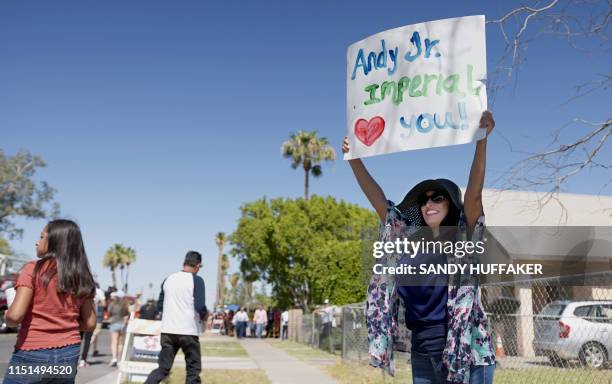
65	258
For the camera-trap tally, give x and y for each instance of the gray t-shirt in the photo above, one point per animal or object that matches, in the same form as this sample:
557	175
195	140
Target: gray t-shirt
116	313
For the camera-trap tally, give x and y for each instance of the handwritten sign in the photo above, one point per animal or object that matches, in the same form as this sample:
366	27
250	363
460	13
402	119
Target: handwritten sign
418	86
140	350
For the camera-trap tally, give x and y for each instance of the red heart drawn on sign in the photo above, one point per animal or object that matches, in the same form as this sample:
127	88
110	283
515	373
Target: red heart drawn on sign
369	131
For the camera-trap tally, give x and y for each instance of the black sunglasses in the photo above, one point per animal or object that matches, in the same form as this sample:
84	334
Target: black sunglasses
436	197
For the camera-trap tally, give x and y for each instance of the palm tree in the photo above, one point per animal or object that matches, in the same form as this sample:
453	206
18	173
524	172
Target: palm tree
129	257
248	293
224	264
120	256
308	150
231	294
112	260
220	240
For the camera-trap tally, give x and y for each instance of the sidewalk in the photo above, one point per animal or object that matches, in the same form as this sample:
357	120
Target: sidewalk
98	366
213	362
282	368
208	362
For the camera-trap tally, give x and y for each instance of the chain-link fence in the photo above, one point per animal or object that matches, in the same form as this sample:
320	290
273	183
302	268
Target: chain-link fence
557	322
544	330
320	333
355	332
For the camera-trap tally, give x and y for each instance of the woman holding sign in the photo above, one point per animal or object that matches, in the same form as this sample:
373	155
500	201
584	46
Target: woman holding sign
451	339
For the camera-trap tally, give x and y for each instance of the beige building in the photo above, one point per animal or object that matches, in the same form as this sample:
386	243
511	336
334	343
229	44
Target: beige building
527	210
522	208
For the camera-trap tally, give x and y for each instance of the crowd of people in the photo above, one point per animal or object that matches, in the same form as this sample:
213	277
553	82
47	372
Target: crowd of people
113	310
259	323
270	323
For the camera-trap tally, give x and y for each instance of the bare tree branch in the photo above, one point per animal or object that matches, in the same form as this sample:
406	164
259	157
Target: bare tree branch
549	170
556	18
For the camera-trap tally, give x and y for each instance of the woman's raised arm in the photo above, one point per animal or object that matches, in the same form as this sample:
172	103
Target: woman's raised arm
368	185
472	204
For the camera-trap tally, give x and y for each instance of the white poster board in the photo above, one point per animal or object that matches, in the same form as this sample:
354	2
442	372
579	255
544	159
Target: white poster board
418	86
140	350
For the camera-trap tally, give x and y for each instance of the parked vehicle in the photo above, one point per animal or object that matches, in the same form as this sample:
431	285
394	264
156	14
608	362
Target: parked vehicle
575	330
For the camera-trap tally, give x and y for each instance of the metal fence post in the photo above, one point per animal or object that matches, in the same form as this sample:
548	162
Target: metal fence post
344	332
331	339
314	328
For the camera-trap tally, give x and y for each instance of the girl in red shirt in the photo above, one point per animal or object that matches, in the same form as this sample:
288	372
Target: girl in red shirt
54	301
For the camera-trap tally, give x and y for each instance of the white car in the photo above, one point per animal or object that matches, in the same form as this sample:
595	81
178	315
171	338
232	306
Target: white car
575	330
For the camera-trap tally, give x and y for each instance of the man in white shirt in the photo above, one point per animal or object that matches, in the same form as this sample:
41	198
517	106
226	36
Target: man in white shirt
284	324
182	304
260	319
240	320
328	314
327	317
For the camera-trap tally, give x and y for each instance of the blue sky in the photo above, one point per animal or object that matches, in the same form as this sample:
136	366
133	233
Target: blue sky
159	119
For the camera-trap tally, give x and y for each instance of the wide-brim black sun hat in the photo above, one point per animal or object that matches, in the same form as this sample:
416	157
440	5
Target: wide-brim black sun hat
410	206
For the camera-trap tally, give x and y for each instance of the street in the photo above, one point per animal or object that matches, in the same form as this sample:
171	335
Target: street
98	366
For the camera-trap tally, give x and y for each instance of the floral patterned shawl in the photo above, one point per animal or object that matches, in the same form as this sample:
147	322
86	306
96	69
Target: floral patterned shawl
468	340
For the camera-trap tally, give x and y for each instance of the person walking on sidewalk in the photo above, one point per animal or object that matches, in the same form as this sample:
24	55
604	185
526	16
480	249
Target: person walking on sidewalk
327	318
284	324
327	314
183	307
148	311
100	302
53	302
270	322
260	319
88	337
240	323
118	316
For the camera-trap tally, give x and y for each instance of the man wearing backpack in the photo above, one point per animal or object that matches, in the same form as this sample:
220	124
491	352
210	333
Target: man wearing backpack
181	302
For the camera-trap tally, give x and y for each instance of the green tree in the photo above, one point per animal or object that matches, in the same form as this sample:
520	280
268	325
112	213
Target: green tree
231	292
306	250
234	280
307	150
20	194
262	298
240	291
5	248
119	256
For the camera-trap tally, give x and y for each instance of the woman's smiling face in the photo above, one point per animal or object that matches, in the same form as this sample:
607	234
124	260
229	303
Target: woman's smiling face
434	208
